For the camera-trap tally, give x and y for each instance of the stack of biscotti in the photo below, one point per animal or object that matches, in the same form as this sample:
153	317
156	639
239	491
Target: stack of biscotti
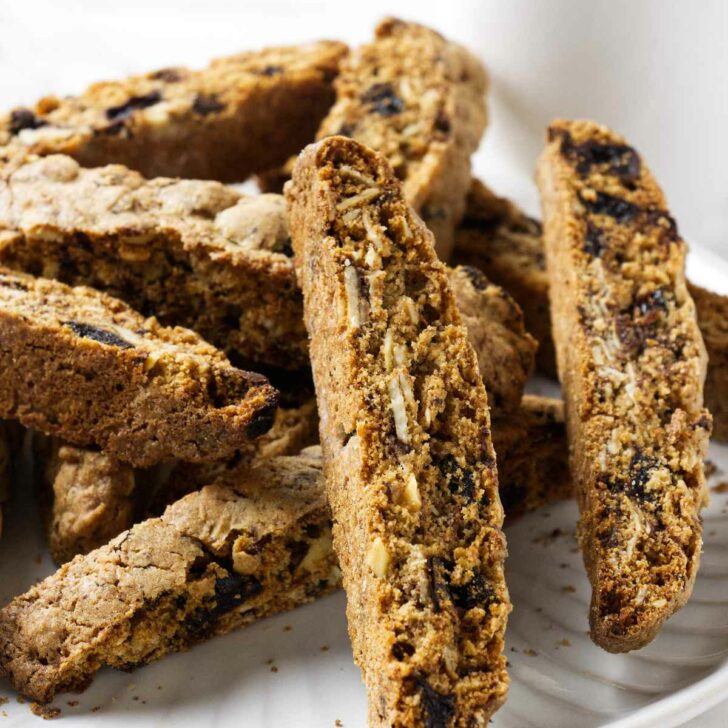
505	243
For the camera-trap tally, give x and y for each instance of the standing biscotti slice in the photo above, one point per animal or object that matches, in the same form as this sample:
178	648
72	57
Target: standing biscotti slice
409	465
242	114
193	253
632	365
83	366
419	100
214	562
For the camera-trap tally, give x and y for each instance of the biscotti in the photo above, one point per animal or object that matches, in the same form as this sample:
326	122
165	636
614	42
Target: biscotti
494	322
242	114
193	253
499	239
533	455
712	310
419	100
215	561
632	364
84	367
87	497
409	465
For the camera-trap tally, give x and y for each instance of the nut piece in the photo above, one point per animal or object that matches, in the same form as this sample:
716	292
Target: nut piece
398	409
378	558
412	493
351	281
319	550
245	563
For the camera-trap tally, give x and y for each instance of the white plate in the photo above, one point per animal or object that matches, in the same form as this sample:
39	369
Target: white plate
296	669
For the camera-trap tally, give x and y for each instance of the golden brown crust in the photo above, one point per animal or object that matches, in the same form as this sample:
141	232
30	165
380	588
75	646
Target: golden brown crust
410	469
632	364
419	100
215	561
81	365
241	115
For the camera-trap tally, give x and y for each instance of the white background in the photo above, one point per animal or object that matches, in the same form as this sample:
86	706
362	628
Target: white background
656	71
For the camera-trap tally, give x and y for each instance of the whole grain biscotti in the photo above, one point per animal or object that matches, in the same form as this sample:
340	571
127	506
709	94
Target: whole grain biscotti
505	243
494	322
409	465
240	115
87	497
632	364
193	253
499	239
533	455
419	100
215	561
712	310
80	365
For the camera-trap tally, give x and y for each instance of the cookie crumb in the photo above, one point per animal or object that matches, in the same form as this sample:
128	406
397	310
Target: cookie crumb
288	628
4	701
568	589
564	643
96	709
273	668
324	648
72	703
720	487
530	652
47	712
338	723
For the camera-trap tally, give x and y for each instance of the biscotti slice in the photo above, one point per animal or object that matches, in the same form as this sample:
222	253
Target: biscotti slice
193	253
712	310
419	100
83	366
505	243
533	455
494	322
240	115
215	561
87	497
409	465
632	364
